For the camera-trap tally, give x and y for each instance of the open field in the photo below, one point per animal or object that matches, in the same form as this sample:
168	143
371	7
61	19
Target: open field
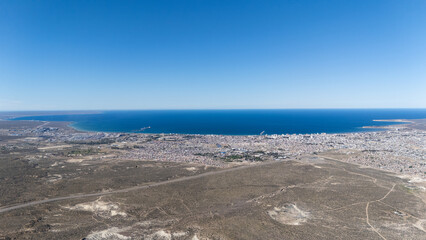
58	183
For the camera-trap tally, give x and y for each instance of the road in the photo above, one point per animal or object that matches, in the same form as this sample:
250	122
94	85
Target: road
28	204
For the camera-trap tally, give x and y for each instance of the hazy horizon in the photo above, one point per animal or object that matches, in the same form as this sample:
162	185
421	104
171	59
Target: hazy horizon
201	109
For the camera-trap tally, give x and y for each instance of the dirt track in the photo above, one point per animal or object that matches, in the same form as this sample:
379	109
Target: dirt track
9	208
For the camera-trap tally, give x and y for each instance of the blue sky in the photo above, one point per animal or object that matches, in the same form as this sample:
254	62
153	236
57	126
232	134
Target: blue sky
76	55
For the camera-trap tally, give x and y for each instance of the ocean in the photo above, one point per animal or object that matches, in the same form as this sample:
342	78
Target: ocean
234	122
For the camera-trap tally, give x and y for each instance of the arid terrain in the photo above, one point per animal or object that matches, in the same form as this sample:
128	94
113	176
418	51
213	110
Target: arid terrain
58	183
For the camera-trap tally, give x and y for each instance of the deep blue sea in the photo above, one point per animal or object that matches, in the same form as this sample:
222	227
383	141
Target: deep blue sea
234	122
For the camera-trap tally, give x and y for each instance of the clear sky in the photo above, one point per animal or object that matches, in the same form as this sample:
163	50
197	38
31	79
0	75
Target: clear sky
77	55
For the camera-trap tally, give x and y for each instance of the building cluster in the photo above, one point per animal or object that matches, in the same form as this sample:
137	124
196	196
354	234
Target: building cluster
400	150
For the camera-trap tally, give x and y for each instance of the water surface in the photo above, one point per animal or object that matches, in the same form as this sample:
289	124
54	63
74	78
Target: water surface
234	122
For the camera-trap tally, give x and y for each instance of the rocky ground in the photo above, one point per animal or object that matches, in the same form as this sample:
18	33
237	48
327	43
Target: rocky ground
58	183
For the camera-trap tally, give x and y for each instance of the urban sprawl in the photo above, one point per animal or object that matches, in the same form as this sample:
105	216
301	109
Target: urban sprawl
397	149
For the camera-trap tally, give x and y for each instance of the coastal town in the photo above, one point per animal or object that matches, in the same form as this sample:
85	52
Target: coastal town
61	183
398	148
212	120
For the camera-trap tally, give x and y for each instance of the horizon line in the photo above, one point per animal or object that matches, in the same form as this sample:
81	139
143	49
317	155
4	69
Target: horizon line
220	109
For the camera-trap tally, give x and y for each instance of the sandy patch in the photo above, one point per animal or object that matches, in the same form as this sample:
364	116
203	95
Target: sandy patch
160	235
103	209
75	160
418	183
289	214
54	147
195	238
420	224
179	234
108	234
416	179
163	235
32	138
107	156
54	178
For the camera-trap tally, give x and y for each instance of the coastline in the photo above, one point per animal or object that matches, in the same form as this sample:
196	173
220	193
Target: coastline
236	123
390	148
393	120
404	123
419	124
19	114
73	124
94	170
73	127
